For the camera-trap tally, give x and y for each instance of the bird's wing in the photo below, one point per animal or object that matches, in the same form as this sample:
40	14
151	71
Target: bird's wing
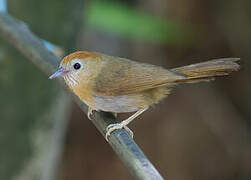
121	76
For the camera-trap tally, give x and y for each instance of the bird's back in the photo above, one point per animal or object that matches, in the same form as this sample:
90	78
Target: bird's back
119	76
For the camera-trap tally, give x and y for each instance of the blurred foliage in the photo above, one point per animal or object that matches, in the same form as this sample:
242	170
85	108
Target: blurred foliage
21	108
29	101
120	19
50	20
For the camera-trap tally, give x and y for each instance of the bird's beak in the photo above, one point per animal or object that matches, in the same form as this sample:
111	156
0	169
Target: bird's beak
59	72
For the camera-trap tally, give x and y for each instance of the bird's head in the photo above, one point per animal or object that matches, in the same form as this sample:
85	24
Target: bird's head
77	66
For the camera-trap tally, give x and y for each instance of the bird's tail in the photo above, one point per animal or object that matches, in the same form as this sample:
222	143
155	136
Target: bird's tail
206	71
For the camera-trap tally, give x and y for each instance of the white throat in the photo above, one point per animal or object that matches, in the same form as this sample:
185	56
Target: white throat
71	80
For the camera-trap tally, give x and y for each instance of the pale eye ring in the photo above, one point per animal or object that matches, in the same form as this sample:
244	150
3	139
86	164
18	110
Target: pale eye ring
77	66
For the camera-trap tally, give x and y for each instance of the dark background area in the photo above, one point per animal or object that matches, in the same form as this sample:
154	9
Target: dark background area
201	131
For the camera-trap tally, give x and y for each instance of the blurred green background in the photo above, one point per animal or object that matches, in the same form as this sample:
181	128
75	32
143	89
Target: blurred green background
201	131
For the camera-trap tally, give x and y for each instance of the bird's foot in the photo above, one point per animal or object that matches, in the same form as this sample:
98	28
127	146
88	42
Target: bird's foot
90	112
113	127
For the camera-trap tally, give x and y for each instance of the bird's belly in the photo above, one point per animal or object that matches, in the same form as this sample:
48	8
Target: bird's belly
118	104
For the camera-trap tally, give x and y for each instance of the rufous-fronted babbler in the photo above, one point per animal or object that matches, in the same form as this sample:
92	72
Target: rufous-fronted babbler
113	84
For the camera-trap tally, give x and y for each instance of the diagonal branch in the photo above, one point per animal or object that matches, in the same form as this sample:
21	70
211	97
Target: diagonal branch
18	34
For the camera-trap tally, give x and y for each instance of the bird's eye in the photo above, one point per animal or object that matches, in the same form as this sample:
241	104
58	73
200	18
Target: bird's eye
77	66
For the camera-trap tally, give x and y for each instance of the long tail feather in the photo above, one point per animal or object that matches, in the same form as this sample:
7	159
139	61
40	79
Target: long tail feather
206	71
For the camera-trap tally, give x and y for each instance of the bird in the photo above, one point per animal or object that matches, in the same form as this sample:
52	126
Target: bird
119	85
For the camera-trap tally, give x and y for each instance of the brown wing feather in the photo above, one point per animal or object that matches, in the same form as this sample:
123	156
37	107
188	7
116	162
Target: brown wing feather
121	76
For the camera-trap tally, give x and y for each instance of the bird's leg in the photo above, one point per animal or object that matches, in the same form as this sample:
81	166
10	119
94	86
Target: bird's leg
123	124
90	111
115	115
